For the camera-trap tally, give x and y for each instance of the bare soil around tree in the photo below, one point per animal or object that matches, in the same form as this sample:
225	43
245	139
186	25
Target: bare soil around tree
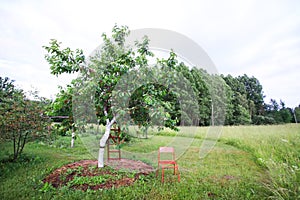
85	174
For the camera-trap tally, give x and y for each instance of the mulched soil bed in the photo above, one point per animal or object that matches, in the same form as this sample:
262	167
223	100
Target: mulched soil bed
88	168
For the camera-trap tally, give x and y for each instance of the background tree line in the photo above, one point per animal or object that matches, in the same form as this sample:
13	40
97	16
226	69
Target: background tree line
244	104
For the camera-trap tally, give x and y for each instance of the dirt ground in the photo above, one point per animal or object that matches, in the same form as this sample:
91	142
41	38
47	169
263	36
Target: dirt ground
88	168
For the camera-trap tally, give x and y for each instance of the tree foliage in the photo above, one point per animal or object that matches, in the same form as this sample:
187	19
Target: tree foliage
63	60
21	119
239	102
60	110
277	113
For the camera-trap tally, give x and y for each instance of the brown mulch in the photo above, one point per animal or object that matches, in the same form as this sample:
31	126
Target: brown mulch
88	168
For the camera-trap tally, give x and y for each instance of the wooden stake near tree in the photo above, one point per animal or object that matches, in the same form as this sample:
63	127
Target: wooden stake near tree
73	139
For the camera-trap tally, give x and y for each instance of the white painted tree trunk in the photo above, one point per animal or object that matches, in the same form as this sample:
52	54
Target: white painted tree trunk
103	141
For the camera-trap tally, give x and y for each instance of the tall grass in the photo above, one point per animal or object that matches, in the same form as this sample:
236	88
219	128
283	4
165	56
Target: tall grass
277	148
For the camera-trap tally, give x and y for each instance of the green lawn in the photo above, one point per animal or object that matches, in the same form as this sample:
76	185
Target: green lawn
247	162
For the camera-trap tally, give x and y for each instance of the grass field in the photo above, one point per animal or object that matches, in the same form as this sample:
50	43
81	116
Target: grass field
247	162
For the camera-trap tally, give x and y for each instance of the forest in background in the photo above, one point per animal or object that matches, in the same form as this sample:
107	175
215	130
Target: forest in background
244	104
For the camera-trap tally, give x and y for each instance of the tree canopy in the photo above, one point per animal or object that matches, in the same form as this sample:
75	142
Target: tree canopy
21	119
99	83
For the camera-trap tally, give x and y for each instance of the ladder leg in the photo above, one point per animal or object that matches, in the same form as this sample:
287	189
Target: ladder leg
162	174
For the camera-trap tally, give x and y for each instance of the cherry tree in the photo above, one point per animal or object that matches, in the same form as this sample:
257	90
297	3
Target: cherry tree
99	76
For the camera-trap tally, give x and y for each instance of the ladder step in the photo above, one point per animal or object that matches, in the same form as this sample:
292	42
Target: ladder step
113	142
114	150
114	158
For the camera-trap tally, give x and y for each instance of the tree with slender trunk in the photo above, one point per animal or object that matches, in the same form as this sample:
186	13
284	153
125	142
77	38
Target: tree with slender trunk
100	76
21	119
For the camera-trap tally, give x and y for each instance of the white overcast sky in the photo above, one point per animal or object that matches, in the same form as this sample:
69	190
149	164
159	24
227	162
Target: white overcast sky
257	38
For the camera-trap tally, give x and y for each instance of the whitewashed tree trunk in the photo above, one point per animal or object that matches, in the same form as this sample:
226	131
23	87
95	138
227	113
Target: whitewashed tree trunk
103	141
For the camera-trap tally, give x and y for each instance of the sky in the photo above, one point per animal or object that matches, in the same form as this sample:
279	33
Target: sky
257	38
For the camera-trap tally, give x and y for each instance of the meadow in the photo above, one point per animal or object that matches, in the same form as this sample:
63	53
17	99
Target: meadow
247	162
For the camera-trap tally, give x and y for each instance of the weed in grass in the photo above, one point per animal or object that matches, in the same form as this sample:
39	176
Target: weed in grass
80	180
47	188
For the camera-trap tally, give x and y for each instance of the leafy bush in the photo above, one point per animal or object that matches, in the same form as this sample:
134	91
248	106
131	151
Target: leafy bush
21	119
262	120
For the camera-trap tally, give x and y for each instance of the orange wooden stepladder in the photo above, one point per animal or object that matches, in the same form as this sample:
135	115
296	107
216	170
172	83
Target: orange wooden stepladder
166	160
114	139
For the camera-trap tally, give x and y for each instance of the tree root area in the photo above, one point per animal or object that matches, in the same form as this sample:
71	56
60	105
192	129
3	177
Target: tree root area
85	174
